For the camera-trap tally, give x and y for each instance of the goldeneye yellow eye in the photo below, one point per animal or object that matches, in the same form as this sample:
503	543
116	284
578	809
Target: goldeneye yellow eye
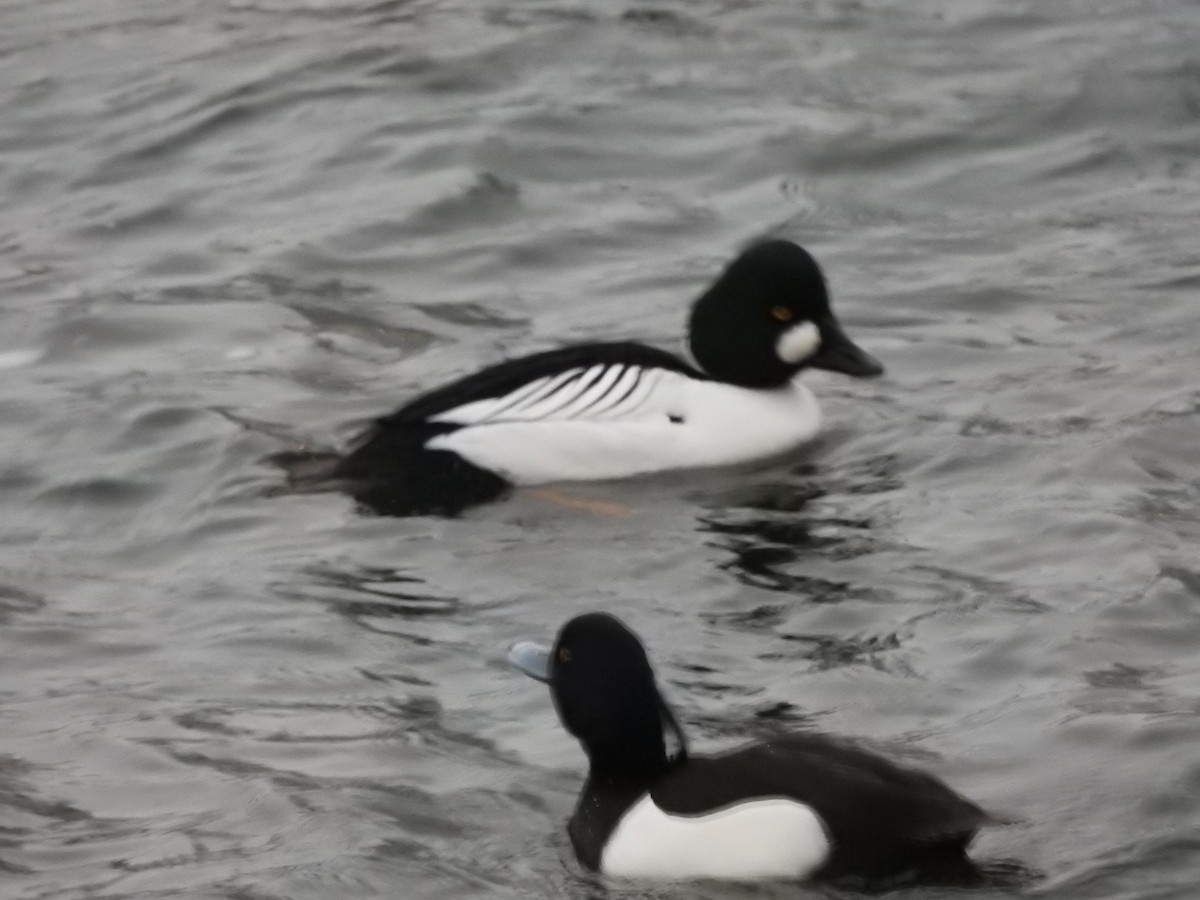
781	313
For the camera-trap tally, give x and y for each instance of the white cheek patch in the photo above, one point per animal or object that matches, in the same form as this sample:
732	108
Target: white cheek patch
769	837
798	343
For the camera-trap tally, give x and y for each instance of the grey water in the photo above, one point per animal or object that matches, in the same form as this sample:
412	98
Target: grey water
234	228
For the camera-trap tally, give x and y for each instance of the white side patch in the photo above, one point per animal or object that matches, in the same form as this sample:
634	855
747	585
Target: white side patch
798	343
771	837
667	421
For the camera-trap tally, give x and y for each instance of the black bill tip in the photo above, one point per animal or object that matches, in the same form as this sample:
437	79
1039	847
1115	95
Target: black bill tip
838	353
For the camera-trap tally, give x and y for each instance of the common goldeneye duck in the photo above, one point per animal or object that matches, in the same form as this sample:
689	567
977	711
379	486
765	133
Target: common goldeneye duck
613	410
795	806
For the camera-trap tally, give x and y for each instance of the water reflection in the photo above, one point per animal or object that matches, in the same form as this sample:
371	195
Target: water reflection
27	818
16	601
770	526
377	598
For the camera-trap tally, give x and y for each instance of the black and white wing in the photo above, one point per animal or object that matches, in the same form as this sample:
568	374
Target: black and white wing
591	382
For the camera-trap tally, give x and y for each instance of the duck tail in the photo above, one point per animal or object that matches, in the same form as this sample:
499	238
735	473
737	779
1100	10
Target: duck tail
992	818
307	471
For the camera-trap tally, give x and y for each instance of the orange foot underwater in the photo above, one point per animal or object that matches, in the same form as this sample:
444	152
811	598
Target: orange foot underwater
587	504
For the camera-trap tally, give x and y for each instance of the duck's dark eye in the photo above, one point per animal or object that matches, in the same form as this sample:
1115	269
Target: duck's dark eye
564	654
781	313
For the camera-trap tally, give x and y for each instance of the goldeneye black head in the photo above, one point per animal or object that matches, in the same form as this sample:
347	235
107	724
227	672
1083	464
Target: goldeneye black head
605	694
767	317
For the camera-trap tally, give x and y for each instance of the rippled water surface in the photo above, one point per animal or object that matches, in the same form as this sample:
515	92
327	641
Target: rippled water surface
234	228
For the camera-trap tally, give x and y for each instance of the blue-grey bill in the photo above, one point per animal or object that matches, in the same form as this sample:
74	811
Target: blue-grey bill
532	659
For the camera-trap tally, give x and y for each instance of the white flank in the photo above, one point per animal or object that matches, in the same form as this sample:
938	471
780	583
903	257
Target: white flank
798	343
667	421
766	838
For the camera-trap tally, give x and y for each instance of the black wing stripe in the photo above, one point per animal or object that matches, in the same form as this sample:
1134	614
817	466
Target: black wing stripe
642	391
604	391
484	409
525	398
547	403
490	389
600	375
584	408
633	375
552	387
567	410
517	398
